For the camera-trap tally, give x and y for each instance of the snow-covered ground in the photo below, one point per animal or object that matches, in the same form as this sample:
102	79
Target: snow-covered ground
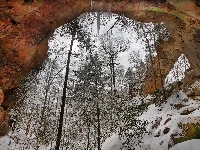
163	123
187	145
4	141
113	143
165	117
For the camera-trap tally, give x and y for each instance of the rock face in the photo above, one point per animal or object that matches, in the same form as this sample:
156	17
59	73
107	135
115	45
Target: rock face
25	27
4	119
190	131
1	96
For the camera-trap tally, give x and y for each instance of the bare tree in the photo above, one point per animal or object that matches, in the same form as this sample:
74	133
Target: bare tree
112	47
77	33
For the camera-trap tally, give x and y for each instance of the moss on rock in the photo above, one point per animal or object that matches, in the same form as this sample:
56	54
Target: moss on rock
190	131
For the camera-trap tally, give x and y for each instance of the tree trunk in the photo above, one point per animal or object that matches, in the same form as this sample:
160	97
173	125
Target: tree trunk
64	96
158	56
28	127
88	137
98	119
151	60
111	75
98	129
161	78
113	71
40	132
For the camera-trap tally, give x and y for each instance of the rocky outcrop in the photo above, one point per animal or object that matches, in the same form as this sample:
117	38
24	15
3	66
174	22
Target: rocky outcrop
1	96
190	131
4	119
25	27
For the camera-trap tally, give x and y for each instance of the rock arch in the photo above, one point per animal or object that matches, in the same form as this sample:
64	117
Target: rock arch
25	27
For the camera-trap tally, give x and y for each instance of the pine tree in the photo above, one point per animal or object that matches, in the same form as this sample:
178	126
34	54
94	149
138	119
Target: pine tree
88	92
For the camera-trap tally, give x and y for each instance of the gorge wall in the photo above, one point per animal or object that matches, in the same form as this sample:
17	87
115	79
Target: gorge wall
25	27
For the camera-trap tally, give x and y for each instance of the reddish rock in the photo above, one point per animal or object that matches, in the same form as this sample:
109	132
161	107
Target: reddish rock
196	87
178	106
166	121
166	130
26	28
1	96
158	134
186	112
2	114
4	128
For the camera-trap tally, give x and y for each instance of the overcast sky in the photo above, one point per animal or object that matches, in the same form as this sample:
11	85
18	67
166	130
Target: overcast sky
123	57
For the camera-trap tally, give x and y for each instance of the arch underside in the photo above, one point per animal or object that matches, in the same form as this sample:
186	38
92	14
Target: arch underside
26	27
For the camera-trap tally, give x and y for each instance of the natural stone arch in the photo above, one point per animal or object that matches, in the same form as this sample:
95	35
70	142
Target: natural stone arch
26	27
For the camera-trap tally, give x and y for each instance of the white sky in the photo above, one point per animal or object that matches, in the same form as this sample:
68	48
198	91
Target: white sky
122	57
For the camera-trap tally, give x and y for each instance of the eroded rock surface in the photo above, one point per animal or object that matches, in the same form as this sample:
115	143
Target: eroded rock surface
25	27
1	96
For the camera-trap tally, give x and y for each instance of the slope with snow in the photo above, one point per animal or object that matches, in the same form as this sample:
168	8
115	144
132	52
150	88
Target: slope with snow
163	123
187	145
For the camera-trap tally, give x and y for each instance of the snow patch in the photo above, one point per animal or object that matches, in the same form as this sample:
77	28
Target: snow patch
112	143
187	145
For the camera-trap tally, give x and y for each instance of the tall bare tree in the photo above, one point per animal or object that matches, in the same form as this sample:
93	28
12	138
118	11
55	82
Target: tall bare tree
112	46
76	31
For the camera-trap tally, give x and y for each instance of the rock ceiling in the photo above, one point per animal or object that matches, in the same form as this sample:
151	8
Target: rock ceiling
25	27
